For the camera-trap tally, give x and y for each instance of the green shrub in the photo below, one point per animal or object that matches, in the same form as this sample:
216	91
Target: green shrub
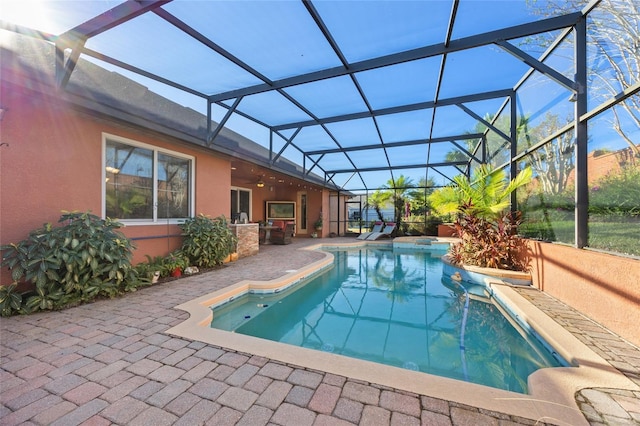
145	270
84	258
617	194
206	241
10	300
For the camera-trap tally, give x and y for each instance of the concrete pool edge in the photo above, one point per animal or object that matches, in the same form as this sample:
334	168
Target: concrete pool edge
552	391
555	388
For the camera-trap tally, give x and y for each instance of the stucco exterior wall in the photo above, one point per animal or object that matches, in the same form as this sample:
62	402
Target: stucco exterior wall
287	193
51	160
604	287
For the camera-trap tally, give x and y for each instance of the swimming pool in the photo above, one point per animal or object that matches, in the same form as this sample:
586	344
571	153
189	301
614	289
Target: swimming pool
394	307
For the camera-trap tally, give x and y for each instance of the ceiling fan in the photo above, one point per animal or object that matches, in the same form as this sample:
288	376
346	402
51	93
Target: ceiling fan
255	177
257	180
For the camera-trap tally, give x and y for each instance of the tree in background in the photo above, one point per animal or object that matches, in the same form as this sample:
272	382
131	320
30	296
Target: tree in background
497	146
398	190
421	220
553	162
377	200
419	196
613	41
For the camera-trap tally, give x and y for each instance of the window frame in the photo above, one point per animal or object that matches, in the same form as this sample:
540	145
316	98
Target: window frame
250	191
155	220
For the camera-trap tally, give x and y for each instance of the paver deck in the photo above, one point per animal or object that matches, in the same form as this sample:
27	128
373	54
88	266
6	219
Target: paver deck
111	362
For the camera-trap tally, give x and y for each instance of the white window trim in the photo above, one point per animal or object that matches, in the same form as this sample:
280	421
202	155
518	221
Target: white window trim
241	188
155	150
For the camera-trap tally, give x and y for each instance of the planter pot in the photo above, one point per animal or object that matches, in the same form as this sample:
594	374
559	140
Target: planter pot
231	258
477	275
446	230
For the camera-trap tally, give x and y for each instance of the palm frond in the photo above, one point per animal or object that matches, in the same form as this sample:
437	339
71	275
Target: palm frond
521	179
488	191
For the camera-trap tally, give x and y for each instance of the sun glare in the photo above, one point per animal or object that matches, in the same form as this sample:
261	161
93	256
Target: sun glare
28	13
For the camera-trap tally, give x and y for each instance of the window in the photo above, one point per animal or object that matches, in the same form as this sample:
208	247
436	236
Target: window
240	202
302	199
144	183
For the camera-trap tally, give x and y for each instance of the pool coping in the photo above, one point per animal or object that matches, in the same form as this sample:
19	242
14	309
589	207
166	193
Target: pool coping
552	391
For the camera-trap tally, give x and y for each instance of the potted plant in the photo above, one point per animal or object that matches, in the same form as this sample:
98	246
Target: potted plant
485	227
317	226
175	263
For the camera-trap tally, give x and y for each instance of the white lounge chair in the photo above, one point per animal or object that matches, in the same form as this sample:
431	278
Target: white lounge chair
385	233
377	227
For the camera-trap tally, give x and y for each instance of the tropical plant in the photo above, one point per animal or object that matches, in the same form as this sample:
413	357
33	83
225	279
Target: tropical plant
377	200
10	300
487	233
145	272
84	258
207	242
487	194
418	196
398	190
489	243
421	219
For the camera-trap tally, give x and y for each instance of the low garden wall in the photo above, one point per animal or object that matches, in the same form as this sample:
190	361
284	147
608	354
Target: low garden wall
604	287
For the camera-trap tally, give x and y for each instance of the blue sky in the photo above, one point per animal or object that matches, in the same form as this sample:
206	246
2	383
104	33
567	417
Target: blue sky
279	39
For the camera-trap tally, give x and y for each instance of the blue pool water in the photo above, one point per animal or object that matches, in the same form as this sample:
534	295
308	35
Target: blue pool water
394	307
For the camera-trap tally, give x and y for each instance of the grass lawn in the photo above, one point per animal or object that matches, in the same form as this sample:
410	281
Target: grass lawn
619	237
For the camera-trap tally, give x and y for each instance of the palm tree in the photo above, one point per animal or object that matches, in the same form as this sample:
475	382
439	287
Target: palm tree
488	192
419	197
398	190
377	200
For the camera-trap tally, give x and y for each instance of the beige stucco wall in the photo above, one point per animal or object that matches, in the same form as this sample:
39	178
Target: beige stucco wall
604	287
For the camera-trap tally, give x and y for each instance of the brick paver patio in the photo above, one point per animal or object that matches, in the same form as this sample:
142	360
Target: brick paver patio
110	362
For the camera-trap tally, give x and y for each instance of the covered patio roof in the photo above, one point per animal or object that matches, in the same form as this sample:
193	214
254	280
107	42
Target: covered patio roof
357	93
